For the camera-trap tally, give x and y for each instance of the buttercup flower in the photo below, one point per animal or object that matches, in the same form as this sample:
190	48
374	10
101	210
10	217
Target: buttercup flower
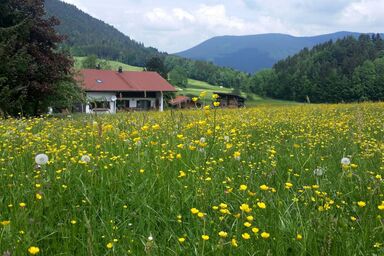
33	250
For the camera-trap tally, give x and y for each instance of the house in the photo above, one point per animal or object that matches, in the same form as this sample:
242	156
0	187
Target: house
111	91
230	100
181	102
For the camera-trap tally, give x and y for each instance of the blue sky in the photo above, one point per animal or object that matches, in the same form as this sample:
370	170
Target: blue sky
174	26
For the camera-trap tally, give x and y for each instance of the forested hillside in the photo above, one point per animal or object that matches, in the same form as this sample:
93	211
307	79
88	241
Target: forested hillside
252	53
347	70
86	35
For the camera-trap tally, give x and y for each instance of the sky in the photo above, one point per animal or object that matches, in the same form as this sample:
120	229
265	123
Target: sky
173	26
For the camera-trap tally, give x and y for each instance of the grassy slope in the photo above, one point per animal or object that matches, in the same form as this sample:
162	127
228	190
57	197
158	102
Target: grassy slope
114	65
195	86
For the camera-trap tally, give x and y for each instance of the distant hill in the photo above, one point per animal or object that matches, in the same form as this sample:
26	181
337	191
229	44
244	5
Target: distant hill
86	35
255	52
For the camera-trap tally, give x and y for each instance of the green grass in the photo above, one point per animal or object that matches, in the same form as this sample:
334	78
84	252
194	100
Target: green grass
195	87
149	170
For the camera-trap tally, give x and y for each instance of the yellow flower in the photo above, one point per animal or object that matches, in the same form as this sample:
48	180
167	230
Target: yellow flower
299	237
141	171
288	185
202	94
73	222
223	234
194	99
246	236
381	207
234	242
353	218
109	245
216	103
361	204
247	224
182	174
22	205
264	187
205	237
194	211
33	250
261	205
236	155
265	235
206	107
250	218
243	187
201	214
215	96
39	196
181	240
222	205
255	230
245	208
5	222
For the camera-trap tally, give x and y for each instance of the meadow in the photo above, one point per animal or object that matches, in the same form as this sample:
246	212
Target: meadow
268	180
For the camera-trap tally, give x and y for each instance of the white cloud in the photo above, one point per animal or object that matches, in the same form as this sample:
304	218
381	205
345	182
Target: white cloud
215	16
363	13
183	15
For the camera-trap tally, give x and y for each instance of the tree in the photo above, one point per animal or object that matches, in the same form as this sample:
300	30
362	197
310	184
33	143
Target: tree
89	62
156	64
32	71
178	77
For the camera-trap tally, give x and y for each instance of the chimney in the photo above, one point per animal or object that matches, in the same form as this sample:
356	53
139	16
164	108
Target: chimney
98	66
120	69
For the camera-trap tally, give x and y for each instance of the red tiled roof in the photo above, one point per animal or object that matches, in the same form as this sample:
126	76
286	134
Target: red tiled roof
96	80
178	100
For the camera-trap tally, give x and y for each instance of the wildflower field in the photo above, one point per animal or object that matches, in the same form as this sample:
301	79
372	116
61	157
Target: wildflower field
269	180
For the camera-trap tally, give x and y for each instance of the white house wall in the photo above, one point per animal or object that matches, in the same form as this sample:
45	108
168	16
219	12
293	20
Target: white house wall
100	96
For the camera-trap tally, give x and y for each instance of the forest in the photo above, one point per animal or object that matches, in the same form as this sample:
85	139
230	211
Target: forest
347	70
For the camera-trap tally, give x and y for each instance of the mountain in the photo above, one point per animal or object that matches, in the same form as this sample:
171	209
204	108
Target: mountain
255	52
86	35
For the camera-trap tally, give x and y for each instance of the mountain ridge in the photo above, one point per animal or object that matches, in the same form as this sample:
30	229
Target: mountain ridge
251	53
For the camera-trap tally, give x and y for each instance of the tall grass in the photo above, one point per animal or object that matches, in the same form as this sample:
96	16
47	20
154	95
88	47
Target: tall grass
157	182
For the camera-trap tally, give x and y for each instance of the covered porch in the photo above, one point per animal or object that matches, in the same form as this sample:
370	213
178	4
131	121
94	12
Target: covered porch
112	102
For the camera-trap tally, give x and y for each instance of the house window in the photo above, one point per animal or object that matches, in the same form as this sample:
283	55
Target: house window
144	104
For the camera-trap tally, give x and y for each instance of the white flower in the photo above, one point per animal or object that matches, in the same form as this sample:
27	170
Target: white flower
319	171
345	161
150	238
85	158
41	159
202	139
226	138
